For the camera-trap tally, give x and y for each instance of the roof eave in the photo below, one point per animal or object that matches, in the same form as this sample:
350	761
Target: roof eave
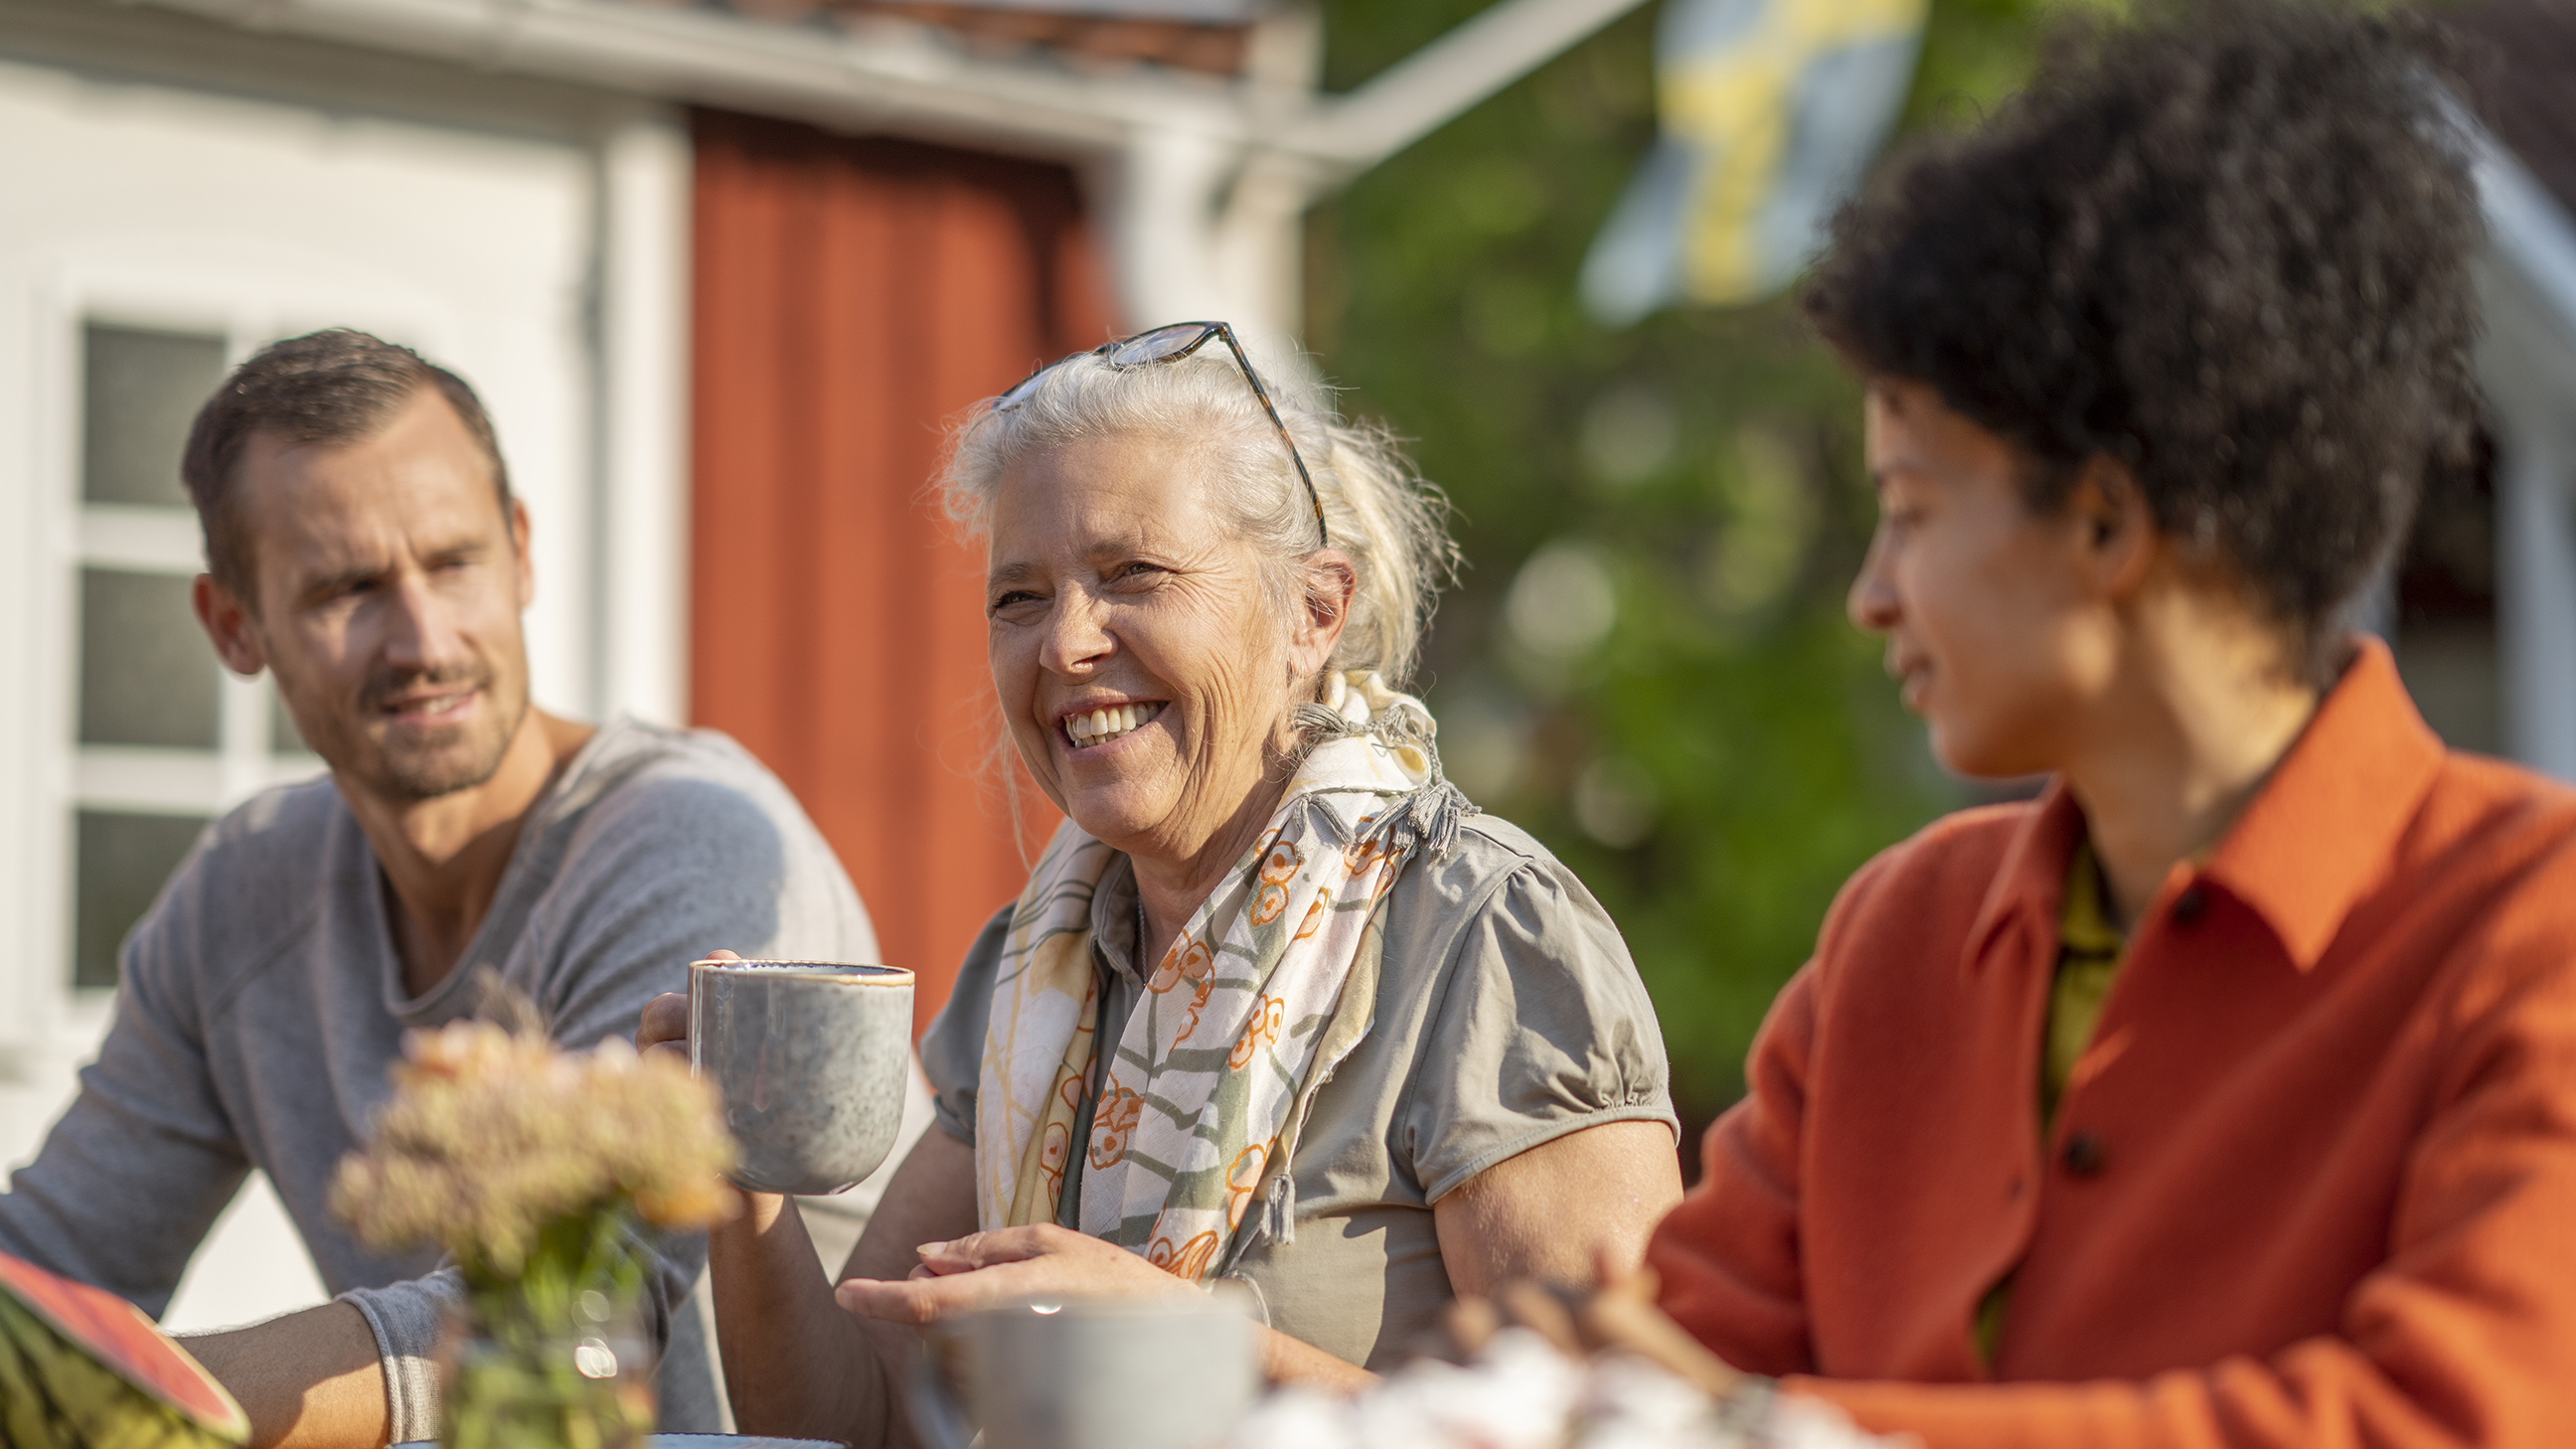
866	75
900	77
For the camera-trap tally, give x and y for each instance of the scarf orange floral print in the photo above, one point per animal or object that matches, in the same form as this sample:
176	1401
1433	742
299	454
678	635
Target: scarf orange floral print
1205	1086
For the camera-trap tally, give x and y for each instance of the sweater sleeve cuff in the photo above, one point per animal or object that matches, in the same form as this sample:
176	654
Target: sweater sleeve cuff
407	1319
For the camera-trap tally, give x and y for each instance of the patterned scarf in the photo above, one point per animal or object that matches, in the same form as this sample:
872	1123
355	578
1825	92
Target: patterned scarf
1272	983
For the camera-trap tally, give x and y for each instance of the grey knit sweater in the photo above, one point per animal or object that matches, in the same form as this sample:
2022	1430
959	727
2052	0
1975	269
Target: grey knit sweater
261	1002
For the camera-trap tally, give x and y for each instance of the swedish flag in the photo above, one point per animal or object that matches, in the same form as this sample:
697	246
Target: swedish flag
1771	109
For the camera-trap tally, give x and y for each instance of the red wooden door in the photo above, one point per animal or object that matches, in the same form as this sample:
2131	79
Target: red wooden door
851	297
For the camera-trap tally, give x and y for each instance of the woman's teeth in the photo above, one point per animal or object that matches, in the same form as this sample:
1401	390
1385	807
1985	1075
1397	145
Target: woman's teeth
1103	725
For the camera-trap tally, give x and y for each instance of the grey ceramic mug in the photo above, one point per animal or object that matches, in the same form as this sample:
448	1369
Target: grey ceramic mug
812	1058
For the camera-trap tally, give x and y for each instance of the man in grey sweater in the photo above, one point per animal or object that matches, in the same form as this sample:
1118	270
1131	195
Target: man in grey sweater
364	546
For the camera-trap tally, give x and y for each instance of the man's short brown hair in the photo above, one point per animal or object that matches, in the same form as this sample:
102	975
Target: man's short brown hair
328	387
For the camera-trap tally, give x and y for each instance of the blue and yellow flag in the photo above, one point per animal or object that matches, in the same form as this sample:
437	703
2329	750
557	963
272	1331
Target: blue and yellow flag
1771	111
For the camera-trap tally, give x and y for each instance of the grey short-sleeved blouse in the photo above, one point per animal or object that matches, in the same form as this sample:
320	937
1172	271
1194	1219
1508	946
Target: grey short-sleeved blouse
1508	1014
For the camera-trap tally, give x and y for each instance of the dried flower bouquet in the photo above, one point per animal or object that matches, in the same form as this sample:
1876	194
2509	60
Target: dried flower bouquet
536	1171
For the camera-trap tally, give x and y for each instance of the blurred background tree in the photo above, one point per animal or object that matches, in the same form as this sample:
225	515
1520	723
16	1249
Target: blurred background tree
1647	663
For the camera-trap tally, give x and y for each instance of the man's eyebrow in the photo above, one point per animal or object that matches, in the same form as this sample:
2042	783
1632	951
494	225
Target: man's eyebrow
339	579
1010	573
335	580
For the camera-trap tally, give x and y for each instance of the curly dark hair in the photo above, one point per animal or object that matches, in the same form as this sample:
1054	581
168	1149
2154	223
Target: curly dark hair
2228	248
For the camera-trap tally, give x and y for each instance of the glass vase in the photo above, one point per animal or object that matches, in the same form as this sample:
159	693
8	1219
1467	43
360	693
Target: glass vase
558	1356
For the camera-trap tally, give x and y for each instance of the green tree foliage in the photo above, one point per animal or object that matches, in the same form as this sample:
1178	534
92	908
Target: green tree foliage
1647	663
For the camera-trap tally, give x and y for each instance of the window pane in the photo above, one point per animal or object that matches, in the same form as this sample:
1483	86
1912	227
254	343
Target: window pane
147	675
123	861
143	389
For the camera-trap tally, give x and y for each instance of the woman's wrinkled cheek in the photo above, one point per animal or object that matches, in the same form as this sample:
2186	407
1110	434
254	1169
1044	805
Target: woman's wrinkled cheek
1240	708
1014	671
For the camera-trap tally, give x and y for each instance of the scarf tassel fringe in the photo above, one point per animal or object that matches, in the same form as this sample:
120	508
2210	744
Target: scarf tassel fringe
1433	814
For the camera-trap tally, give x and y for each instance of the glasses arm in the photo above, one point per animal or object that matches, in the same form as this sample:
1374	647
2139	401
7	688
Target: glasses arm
1323	534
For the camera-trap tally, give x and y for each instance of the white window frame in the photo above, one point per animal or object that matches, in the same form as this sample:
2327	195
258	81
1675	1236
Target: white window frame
173	294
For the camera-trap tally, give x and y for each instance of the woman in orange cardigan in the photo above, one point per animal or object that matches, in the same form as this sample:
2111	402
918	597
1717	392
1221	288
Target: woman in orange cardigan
2226	1094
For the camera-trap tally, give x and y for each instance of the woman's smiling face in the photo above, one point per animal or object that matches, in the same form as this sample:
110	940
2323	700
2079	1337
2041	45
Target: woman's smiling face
1139	661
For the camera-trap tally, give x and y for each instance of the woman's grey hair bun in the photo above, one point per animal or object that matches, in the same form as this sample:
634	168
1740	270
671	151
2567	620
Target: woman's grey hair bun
1379	511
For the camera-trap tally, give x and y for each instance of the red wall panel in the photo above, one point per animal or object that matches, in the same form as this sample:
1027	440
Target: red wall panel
851	296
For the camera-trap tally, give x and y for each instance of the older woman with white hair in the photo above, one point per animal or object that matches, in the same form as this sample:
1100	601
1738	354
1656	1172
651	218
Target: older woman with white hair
1277	1005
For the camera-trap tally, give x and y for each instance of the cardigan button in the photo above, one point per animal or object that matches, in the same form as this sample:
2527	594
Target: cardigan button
2188	906
2083	1155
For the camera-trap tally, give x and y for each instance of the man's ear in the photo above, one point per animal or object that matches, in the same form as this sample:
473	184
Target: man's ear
519	546
230	627
2120	533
